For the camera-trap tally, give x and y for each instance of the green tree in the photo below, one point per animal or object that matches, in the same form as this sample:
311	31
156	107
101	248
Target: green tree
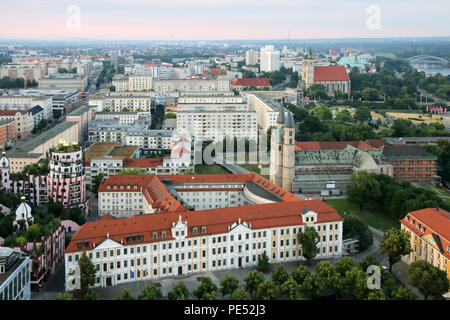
354	227
345	264
87	272
368	261
362	114
395	244
263	262
403	293
34	233
240	294
344	116
266	290
96	182
363	188
64	296
430	280
252	281
354	284
313	286
179	292
308	240
125	295
290	289
279	275
376	295
323	113
206	286
300	274
92	295
151	292
326	271
229	284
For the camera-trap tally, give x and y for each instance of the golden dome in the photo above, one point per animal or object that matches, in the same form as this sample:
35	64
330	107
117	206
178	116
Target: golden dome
22	198
66	145
3	153
75	144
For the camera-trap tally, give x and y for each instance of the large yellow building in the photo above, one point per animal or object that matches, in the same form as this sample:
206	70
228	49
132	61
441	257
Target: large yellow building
429	231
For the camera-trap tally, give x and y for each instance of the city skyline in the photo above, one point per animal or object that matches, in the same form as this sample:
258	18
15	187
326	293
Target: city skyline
220	20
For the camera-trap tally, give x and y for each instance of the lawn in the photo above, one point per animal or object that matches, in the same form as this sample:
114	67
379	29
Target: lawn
377	219
210	169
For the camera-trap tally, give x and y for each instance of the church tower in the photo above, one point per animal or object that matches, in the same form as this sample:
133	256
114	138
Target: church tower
282	151
288	153
4	171
308	69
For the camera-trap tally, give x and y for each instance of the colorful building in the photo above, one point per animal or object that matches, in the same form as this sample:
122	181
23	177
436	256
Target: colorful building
429	231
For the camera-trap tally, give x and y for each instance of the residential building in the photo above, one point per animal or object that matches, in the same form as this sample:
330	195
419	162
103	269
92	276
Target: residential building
14	275
63	81
411	163
23	121
251	57
429	232
270	59
248	216
248	83
37	113
7	132
82	115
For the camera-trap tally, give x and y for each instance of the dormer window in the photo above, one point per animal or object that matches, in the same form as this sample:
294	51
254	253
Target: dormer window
155	235
203	229
163	235
194	230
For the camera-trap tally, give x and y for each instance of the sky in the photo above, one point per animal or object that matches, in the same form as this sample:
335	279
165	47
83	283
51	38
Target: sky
222	19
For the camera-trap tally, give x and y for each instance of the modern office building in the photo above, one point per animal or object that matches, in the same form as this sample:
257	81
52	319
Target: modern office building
14	275
270	59
251	57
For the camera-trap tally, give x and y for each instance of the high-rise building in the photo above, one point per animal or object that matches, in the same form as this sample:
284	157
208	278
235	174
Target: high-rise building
66	179
270	59
251	57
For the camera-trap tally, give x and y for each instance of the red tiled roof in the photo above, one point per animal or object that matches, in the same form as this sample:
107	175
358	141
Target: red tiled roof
216	221
249	82
330	73
332	145
143	163
435	220
11	112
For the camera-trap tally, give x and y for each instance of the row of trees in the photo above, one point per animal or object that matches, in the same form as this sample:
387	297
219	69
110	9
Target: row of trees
393	197
8	83
442	150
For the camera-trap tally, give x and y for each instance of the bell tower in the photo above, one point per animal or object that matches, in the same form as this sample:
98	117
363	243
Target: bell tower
308	69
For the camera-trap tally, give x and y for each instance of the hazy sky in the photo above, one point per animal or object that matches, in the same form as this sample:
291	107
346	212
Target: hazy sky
222	19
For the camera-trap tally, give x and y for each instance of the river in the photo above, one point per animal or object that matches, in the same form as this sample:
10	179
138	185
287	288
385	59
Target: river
431	68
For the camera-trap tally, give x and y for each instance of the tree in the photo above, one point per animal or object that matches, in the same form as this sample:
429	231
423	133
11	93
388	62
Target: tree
267	290
403	293
354	284
33	233
87	272
179	292
345	264
323	113
376	295
363	188
279	275
206	286
430	280
308	240
300	274
354	227
240	294
263	262
151	292
344	116
92	295
252	281
362	114
125	295
395	243
290	289
64	296
229	284
368	261
96	182
312	286
325	270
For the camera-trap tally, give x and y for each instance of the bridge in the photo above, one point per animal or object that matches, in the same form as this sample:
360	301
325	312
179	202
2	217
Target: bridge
428	58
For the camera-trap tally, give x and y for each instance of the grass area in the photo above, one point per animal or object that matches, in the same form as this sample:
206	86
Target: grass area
252	167
377	219
210	169
444	195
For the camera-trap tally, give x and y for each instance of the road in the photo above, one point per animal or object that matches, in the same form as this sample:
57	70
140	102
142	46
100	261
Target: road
282	85
436	99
